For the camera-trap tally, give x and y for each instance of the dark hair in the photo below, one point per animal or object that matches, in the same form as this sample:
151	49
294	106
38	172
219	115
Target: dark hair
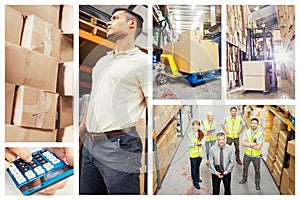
254	119
233	107
137	17
220	134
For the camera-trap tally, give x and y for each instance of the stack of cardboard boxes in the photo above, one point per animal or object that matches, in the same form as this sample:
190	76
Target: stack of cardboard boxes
286	18
238	20
192	54
165	126
38	73
277	152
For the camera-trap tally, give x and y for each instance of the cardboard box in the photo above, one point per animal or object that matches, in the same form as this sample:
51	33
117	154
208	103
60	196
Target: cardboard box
22	134
284	182
66	49
191	56
67	19
41	36
292	186
49	13
13	25
65	80
65	134
283	135
291	147
9	101
65	111
270	163
292	168
279	124
30	68
35	108
191	33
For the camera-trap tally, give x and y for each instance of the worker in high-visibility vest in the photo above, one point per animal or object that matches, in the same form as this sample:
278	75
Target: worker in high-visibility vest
252	140
233	127
196	142
209	126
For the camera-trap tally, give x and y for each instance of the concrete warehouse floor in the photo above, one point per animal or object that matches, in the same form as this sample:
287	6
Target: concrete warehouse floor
285	91
178	178
181	89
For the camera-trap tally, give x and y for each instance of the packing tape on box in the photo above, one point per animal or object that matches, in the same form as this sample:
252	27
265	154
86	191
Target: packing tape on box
40	109
48	36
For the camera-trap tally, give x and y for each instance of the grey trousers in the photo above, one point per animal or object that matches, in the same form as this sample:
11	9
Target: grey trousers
256	163
236	143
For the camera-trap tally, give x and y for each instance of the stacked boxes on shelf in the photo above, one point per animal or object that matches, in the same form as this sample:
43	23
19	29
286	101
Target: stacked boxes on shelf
287	186
286	18
277	149
165	126
33	56
233	66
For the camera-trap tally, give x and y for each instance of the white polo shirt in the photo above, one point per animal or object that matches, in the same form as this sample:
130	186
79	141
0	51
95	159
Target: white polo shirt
119	88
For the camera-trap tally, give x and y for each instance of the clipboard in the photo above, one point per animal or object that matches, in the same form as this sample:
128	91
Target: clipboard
211	132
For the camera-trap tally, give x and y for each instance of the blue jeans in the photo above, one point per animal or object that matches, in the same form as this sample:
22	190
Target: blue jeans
111	166
208	145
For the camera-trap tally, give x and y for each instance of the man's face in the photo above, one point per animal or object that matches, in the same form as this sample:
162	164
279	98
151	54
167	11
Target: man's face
254	125
233	112
210	117
221	141
118	26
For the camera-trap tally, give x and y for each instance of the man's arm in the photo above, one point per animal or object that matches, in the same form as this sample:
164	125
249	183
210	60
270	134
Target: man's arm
146	101
241	129
83	121
224	129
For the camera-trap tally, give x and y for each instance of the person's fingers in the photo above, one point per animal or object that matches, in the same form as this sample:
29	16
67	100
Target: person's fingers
7	164
23	153
9	156
53	188
69	155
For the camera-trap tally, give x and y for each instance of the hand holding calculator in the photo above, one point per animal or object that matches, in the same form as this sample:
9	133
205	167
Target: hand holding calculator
43	170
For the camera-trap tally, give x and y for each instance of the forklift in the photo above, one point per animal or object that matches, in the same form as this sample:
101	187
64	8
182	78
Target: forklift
164	75
259	69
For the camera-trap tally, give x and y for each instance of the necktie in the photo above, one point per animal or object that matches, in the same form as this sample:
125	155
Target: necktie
221	159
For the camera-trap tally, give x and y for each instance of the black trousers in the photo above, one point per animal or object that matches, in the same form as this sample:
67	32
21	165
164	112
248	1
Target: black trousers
195	169
216	181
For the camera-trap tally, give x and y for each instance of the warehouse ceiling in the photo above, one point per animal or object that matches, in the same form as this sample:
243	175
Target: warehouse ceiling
185	17
265	14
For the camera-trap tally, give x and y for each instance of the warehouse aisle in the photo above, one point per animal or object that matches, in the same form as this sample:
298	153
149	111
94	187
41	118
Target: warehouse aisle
178	179
286	90
181	89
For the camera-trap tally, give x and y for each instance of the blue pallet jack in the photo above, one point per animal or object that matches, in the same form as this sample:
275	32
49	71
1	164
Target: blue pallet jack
164	76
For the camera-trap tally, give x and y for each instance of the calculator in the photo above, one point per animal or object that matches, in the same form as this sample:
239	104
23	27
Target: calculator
43	170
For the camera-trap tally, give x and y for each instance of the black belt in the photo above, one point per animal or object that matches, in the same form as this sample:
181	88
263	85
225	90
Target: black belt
109	134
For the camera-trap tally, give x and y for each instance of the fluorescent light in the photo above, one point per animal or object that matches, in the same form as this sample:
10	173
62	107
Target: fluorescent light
256	8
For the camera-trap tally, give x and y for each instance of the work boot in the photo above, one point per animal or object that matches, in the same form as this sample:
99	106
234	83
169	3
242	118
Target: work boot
257	186
239	161
244	180
200	180
207	162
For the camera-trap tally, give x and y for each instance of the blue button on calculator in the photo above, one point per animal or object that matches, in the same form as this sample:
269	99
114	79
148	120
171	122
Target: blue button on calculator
43	170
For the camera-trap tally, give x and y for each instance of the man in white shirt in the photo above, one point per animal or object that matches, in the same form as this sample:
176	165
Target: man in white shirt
111	156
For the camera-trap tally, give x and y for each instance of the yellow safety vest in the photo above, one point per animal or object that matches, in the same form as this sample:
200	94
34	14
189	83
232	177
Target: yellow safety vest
233	126
249	151
195	151
207	127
